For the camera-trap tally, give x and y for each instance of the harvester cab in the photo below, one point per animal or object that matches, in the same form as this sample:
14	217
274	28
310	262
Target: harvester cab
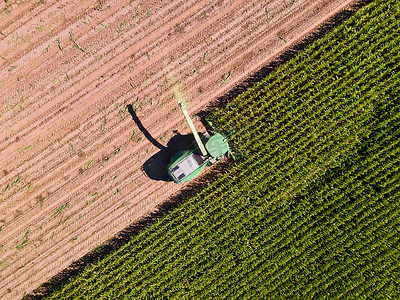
211	148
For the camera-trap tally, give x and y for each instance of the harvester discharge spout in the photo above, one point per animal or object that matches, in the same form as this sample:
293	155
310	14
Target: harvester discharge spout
194	131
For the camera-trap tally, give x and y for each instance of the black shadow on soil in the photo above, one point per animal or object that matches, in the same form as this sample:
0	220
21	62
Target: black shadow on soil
57	282
156	166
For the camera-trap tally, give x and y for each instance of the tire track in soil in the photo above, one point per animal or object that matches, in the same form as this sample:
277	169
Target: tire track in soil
13	15
36	40
77	35
82	31
109	65
151	187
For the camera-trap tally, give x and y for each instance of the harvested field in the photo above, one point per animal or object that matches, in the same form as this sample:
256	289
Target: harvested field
71	156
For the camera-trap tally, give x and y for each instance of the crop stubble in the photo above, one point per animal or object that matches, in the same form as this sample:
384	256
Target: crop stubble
64	126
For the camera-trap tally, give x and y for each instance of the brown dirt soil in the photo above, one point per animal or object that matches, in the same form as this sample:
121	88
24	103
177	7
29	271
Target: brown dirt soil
71	155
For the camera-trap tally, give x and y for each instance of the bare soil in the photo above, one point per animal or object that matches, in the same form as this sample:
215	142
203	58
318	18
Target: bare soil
71	155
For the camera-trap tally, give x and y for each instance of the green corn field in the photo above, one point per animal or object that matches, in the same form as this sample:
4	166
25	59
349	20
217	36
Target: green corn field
311	208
